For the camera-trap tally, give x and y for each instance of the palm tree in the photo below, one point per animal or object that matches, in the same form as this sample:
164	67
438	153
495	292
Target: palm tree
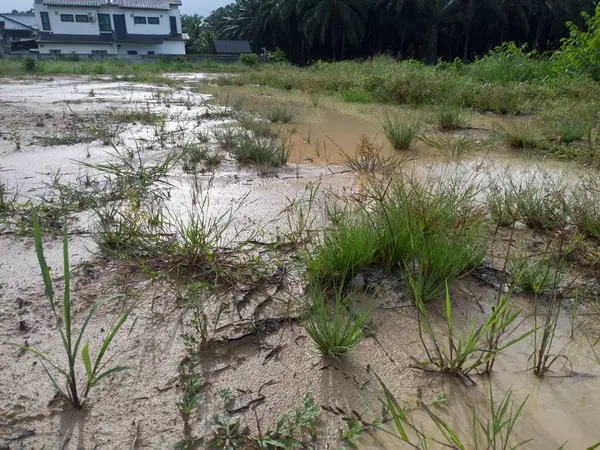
323	19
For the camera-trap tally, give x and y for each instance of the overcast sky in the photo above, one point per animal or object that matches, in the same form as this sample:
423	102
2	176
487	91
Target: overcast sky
202	7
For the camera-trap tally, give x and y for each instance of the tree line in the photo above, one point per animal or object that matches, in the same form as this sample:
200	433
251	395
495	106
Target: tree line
308	30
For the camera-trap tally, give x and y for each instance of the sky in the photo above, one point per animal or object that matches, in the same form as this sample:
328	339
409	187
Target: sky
202	7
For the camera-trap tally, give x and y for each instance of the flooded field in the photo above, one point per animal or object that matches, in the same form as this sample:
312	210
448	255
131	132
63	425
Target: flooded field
218	214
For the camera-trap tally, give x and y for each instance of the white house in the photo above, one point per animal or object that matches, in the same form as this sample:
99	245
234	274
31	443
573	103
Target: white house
110	27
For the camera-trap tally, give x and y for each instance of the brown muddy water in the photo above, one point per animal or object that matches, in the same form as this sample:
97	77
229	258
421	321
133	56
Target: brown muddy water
268	372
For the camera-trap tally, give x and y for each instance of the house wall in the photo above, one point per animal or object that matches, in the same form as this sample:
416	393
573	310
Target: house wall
166	48
82	28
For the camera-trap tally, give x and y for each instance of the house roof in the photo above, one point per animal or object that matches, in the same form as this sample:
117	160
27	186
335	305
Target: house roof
137	4
19	21
107	38
237	47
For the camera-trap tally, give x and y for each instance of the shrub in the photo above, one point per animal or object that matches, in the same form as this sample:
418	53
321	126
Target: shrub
250	59
400	132
30	64
277	56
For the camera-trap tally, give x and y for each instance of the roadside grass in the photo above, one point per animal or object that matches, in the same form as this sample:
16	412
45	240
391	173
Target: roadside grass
400	132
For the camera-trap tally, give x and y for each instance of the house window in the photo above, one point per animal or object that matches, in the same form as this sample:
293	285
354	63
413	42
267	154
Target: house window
104	23
132	52
151	52
138	19
55	52
100	52
67	18
45	21
153	20
81	18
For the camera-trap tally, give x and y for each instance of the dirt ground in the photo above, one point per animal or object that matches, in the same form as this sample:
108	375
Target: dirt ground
255	346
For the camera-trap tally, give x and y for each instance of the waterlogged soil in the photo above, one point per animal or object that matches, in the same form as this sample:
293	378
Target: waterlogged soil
254	344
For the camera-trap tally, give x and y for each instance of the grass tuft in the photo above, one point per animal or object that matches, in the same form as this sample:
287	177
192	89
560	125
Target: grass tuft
279	113
400	132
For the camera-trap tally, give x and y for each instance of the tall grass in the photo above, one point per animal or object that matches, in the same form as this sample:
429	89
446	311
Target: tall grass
279	113
96	371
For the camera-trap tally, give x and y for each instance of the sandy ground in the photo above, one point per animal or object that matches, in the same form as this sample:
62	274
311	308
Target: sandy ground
256	346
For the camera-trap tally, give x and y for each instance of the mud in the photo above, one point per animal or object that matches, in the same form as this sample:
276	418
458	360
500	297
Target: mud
255	344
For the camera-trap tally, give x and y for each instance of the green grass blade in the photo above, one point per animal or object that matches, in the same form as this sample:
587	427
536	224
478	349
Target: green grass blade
108	340
85	356
39	250
108	372
395	409
67	294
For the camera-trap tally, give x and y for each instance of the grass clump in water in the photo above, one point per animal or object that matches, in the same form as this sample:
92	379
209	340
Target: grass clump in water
400	132
520	134
335	327
584	208
250	149
279	113
569	130
449	117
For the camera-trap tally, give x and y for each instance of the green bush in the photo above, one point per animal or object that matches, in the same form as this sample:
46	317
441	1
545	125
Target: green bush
30	64
580	52
400	132
250	59
278	56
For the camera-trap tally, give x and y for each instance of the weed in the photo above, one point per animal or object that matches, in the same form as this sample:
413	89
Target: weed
17	138
369	158
400	132
279	113
258	128
7	204
30	64
227	436
226	137
456	147
520	134
584	207
250	59
225	394
69	138
91	94
464	352
570	130
449	117
335	329
95	372
192	389
144	116
532	275
192	155
270	152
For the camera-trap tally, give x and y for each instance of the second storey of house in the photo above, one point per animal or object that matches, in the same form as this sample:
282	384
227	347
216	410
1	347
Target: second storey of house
115	17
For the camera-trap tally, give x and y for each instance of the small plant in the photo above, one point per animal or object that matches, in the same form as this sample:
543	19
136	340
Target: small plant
400	132
71	342
279	113
532	275
227	436
225	394
584	208
464	352
335	328
91	94
192	389
449	117
258	128
17	138
370	158
192	155
250	59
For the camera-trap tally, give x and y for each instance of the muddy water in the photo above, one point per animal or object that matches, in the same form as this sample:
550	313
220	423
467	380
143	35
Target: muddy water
559	408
